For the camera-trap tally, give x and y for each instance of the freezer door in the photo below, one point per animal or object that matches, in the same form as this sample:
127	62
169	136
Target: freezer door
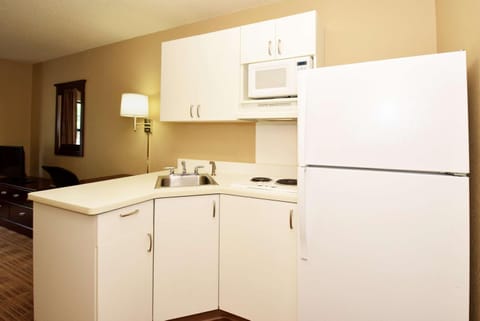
380	246
406	113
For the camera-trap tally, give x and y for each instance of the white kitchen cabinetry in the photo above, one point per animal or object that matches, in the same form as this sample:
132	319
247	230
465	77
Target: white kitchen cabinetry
95	267
287	37
186	256
200	77
258	258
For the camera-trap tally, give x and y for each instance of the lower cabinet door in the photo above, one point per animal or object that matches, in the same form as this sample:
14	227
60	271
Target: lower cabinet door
258	258
125	260
186	256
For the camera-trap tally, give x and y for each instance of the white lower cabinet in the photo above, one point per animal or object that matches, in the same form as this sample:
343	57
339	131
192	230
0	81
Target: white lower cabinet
166	259
186	256
93	267
258	258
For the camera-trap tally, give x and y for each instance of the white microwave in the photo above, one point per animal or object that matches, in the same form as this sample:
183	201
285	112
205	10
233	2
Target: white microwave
277	78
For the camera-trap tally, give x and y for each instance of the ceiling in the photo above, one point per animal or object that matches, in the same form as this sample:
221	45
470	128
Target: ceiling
39	30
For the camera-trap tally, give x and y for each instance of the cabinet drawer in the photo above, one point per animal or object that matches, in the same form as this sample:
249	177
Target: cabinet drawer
118	224
13	195
21	215
3	210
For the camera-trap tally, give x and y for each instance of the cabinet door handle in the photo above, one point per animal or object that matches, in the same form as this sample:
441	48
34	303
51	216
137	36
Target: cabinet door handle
270	47
290	221
191	111
214	209
129	213
279	46
150	242
198	111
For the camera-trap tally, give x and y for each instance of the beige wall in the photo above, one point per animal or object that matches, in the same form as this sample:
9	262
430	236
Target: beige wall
15	102
356	30
458	27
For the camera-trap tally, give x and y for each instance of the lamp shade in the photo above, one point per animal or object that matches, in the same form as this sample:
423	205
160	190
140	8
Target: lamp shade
134	105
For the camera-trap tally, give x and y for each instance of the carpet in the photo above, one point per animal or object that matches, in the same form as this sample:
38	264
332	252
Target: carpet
16	280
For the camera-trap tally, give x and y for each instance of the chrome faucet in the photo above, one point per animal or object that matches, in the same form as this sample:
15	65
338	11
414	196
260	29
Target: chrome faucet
171	170
184	168
214	168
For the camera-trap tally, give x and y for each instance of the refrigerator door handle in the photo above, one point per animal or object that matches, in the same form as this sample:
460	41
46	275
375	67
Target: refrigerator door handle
303	238
302	217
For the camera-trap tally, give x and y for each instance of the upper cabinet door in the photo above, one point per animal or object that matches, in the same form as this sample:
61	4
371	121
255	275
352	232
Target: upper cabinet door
258	41
218	85
201	77
287	37
296	35
178	79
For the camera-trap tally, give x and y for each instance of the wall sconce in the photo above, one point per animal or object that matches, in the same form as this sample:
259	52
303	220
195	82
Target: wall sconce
136	106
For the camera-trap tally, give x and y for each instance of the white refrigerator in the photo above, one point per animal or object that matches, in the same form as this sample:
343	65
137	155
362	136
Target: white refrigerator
384	191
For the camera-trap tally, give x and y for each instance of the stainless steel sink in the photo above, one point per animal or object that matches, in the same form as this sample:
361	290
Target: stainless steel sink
179	180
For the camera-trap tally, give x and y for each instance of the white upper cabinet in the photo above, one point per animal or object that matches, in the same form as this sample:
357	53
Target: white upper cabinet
200	77
281	38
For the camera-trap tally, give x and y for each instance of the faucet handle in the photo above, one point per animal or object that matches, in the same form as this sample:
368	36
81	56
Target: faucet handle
214	167
184	167
170	169
195	171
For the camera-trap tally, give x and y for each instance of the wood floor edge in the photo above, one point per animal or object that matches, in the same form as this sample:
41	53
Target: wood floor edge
214	315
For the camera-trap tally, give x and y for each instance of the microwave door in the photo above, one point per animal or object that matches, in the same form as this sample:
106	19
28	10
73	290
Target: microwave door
272	79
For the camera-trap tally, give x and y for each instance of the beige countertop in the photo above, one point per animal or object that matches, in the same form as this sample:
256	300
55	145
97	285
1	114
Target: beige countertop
99	197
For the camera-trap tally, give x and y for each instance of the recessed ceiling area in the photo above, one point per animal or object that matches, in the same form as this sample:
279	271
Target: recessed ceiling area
34	31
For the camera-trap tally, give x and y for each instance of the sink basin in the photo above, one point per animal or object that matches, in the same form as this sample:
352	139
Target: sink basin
177	180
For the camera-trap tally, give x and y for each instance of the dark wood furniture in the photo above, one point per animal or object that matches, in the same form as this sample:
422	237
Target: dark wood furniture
16	211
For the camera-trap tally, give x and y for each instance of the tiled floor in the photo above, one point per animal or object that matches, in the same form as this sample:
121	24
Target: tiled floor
16	284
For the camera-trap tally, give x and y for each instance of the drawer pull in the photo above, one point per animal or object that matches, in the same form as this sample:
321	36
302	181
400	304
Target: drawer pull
21	214
129	213
150	245
16	195
291	219
3	192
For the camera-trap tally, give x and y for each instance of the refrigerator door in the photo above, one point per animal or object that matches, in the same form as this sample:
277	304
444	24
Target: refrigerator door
407	114
379	246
